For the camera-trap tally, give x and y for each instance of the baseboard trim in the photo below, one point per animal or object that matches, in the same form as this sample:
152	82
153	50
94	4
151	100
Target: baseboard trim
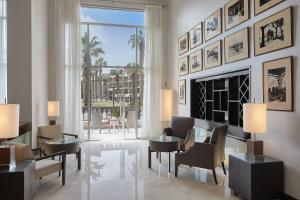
288	197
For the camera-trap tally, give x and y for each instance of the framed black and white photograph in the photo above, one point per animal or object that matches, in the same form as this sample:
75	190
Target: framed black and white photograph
183	66
196	63
213	25
196	36
273	33
236	46
236	12
263	5
183	44
182	91
278	84
213	55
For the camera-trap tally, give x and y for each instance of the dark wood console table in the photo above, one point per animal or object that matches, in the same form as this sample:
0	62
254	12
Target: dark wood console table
255	179
18	183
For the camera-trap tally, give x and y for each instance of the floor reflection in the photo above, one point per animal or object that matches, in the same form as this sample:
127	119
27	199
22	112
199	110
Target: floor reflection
118	170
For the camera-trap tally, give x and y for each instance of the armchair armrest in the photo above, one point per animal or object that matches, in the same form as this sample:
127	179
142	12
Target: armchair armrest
61	153
200	155
70	134
44	137
168	131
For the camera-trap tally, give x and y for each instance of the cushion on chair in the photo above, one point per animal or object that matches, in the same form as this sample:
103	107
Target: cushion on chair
54	131
46	167
23	152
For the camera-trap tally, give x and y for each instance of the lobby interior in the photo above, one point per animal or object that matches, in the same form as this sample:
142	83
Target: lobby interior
149	99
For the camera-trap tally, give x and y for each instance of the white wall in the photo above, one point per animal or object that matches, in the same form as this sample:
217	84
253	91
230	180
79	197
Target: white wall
283	138
19	56
39	29
27	44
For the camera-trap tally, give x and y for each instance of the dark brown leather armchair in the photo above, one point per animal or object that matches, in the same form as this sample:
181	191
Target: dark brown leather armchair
182	127
208	155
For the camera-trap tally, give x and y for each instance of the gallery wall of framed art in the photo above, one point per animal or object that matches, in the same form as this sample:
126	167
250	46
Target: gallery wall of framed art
206	46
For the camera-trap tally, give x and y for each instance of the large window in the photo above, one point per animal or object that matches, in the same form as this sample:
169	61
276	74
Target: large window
113	51
3	51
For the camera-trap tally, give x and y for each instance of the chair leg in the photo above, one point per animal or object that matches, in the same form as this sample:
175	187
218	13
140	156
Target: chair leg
215	176
223	166
64	169
79	159
176	170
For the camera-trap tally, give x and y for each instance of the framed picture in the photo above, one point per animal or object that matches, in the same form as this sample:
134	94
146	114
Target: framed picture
236	46
196	36
236	12
263	5
213	55
196	63
182	91
273	33
213	25
183	43
278	84
183	66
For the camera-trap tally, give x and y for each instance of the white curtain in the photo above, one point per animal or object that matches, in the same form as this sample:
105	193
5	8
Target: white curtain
153	72
3	48
64	42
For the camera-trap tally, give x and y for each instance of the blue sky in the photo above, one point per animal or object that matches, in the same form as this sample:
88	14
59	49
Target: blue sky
114	40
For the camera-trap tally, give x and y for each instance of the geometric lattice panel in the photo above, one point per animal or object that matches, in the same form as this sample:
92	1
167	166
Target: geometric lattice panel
202	98
244	91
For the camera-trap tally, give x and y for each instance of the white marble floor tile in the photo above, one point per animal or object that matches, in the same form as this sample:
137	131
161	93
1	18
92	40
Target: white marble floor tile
118	170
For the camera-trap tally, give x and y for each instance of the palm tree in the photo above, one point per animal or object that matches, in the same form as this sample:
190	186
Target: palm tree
131	72
139	42
100	62
89	49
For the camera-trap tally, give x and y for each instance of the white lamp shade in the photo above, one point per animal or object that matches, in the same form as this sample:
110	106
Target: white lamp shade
53	108
9	120
255	118
166	97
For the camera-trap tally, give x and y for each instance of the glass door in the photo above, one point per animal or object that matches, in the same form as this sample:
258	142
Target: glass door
112	79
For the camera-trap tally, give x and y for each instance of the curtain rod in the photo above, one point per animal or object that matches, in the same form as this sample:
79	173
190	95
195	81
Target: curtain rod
136	3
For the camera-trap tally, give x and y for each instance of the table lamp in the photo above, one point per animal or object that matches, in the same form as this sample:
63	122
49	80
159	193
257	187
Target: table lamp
255	122
9	128
53	111
166	97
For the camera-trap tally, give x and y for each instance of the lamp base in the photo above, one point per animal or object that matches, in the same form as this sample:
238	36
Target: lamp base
255	147
52	122
5	156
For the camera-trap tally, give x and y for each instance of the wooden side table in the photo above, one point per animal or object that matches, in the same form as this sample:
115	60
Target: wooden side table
163	144
255	179
18	183
69	144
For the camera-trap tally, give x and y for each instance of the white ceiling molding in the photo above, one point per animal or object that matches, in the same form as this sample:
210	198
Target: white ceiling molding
124	4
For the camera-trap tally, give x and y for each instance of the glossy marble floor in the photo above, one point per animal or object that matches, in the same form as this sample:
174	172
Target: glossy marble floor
118	170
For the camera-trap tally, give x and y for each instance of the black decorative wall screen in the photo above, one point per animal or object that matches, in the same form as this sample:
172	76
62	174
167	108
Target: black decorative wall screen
220	98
